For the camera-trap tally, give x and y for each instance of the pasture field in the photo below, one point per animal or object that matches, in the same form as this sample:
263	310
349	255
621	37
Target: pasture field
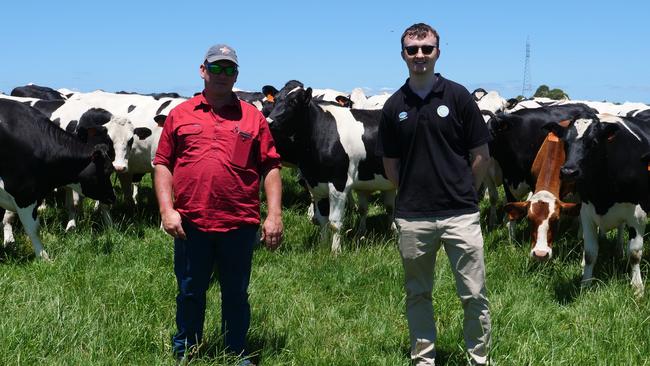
107	298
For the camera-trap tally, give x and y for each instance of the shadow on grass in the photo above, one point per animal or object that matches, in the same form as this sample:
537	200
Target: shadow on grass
567	290
213	350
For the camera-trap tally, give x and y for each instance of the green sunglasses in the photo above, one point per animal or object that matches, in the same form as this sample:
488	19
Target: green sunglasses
218	69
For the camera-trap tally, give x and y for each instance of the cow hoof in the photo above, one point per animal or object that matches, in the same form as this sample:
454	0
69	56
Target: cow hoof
70	227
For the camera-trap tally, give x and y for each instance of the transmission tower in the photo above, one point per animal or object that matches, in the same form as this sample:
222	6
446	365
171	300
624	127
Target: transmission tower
527	88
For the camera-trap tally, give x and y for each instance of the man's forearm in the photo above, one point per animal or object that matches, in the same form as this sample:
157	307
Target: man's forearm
480	158
273	191
391	168
163	188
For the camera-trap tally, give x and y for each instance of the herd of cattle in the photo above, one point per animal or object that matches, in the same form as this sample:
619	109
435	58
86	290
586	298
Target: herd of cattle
553	158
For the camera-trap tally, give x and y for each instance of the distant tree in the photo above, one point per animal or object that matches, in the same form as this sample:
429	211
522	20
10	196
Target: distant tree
545	92
541	92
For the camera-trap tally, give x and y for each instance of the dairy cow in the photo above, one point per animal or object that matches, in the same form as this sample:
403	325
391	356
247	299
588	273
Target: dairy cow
37	91
36	157
490	103
607	158
544	207
333	147
517	137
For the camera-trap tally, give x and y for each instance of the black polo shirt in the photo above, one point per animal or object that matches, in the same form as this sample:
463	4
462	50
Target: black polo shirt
432	139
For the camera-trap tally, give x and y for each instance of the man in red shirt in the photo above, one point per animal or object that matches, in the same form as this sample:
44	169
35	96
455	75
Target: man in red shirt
213	151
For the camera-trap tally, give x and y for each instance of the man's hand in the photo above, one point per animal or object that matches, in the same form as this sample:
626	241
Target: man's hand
272	231
171	221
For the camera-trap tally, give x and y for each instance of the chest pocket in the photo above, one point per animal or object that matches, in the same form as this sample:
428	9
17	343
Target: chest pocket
241	151
188	130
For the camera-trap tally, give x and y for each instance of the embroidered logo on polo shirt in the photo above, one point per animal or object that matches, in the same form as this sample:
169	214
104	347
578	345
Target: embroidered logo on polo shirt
443	111
402	116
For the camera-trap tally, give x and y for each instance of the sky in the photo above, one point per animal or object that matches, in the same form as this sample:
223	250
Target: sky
595	50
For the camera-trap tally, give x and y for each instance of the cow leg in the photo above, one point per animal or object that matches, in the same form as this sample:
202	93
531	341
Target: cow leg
362	208
28	218
510	224
590	237
72	205
493	195
337	214
126	182
620	239
389	204
635	252
8	220
134	195
315	212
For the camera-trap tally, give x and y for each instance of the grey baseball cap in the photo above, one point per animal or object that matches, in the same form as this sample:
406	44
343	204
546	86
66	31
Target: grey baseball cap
221	52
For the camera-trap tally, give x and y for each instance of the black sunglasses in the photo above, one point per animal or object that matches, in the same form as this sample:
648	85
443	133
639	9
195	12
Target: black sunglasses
426	50
218	69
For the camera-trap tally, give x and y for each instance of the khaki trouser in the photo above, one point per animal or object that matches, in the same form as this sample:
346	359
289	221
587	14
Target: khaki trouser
419	241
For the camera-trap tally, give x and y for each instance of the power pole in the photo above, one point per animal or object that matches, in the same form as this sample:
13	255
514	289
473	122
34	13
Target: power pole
526	86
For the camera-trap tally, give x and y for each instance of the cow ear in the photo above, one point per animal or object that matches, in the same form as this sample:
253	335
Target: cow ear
308	95
160	119
556	128
142	132
516	210
269	92
344	101
511	103
570	208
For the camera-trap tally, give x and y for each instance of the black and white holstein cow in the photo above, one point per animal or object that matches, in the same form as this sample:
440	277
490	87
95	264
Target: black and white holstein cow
607	158
333	147
36	156
491	103
517	137
38	92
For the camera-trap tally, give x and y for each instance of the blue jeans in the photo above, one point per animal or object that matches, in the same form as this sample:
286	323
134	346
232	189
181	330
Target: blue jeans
194	262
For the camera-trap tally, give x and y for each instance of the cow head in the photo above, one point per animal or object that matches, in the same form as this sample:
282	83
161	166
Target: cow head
100	126
95	177
121	132
287	117
543	212
290	109
585	141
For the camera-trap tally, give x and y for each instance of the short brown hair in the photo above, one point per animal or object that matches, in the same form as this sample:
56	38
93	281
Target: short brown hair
419	31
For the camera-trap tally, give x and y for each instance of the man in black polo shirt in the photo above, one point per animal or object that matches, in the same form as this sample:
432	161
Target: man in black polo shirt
434	145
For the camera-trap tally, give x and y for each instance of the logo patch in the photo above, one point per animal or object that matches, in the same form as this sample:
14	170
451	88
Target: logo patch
443	111
402	116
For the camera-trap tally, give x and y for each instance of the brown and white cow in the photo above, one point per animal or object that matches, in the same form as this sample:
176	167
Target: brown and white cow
543	208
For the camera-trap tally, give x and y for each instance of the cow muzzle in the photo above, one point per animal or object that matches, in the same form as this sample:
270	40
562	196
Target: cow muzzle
120	168
569	173
541	254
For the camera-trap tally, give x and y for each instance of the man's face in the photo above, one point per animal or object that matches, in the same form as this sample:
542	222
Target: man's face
218	76
417	56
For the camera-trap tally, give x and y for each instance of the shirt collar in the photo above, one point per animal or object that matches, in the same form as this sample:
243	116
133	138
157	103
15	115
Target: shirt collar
201	103
438	89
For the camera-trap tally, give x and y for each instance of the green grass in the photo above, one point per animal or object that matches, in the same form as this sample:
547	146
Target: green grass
107	298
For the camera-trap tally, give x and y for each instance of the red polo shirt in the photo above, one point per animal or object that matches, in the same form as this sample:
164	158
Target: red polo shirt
216	162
